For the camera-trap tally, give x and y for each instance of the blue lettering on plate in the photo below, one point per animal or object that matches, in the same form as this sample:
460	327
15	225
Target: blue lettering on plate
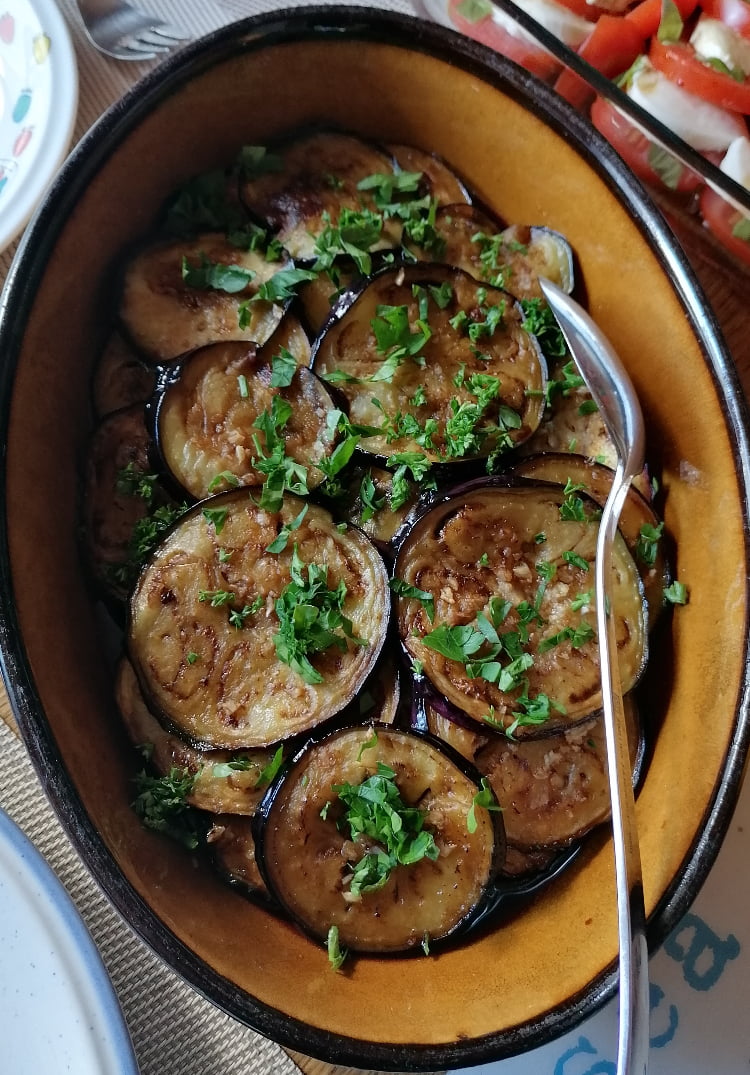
700	942
656	996
585	1048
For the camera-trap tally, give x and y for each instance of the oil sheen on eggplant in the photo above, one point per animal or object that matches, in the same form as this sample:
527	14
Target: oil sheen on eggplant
307	854
207	681
511	581
218	680
166	311
207	427
224	782
637	518
476	359
512	258
310	182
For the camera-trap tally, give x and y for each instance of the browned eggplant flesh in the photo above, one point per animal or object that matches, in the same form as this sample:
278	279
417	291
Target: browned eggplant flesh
314	184
639	524
441	364
382	836
185	293
512	258
223	782
248	626
498	607
554	790
220	417
308	351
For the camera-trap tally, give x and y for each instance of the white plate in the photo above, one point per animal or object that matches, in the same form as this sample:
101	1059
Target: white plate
58	1010
38	102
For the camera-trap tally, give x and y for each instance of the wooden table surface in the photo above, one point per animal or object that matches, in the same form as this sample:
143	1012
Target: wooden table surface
729	294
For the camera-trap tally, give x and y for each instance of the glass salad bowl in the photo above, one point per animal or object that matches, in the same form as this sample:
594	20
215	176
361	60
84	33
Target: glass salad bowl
630	74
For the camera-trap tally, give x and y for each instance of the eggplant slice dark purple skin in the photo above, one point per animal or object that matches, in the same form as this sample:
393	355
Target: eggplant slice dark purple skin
314	177
443	185
206	414
555	790
512	258
511	584
121	378
224	782
121	495
166	311
202	632
306	852
596	479
475	386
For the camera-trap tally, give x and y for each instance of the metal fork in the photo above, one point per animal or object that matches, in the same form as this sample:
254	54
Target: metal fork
610	386
125	32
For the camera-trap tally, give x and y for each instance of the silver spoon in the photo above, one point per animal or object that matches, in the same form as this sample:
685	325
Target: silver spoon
612	391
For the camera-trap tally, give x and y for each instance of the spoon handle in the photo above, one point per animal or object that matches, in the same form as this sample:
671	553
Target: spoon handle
611	389
633	1043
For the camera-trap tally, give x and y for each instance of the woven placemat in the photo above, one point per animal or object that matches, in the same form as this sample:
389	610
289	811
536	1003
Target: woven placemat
174	1030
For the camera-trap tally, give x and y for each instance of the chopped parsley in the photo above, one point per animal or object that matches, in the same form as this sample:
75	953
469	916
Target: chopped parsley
676	593
161	804
647	545
132	481
336	954
484	798
375	811
405	589
311	619
282	472
281	541
216	276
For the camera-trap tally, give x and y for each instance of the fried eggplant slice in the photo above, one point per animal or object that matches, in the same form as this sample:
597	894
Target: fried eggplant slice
212	417
224	782
183	294
512	258
317	184
442	183
462	739
232	845
638	522
124	504
554	790
248	626
333	858
497	604
121	378
438	362
371	502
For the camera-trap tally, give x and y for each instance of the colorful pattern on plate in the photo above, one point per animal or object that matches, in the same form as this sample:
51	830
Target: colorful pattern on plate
38	91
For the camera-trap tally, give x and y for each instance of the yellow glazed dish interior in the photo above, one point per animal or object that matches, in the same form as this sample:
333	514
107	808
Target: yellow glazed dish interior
494	994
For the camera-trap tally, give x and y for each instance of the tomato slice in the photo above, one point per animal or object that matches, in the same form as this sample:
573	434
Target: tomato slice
649	162
472	19
734	13
729	225
611	47
646	16
680	64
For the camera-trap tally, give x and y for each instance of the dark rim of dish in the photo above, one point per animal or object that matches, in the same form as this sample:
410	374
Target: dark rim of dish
246	37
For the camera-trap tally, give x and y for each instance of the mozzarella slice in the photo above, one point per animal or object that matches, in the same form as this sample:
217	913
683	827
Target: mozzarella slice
714	40
702	125
736	162
570	28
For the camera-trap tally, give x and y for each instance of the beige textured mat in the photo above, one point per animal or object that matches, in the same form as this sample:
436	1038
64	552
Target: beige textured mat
174	1030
